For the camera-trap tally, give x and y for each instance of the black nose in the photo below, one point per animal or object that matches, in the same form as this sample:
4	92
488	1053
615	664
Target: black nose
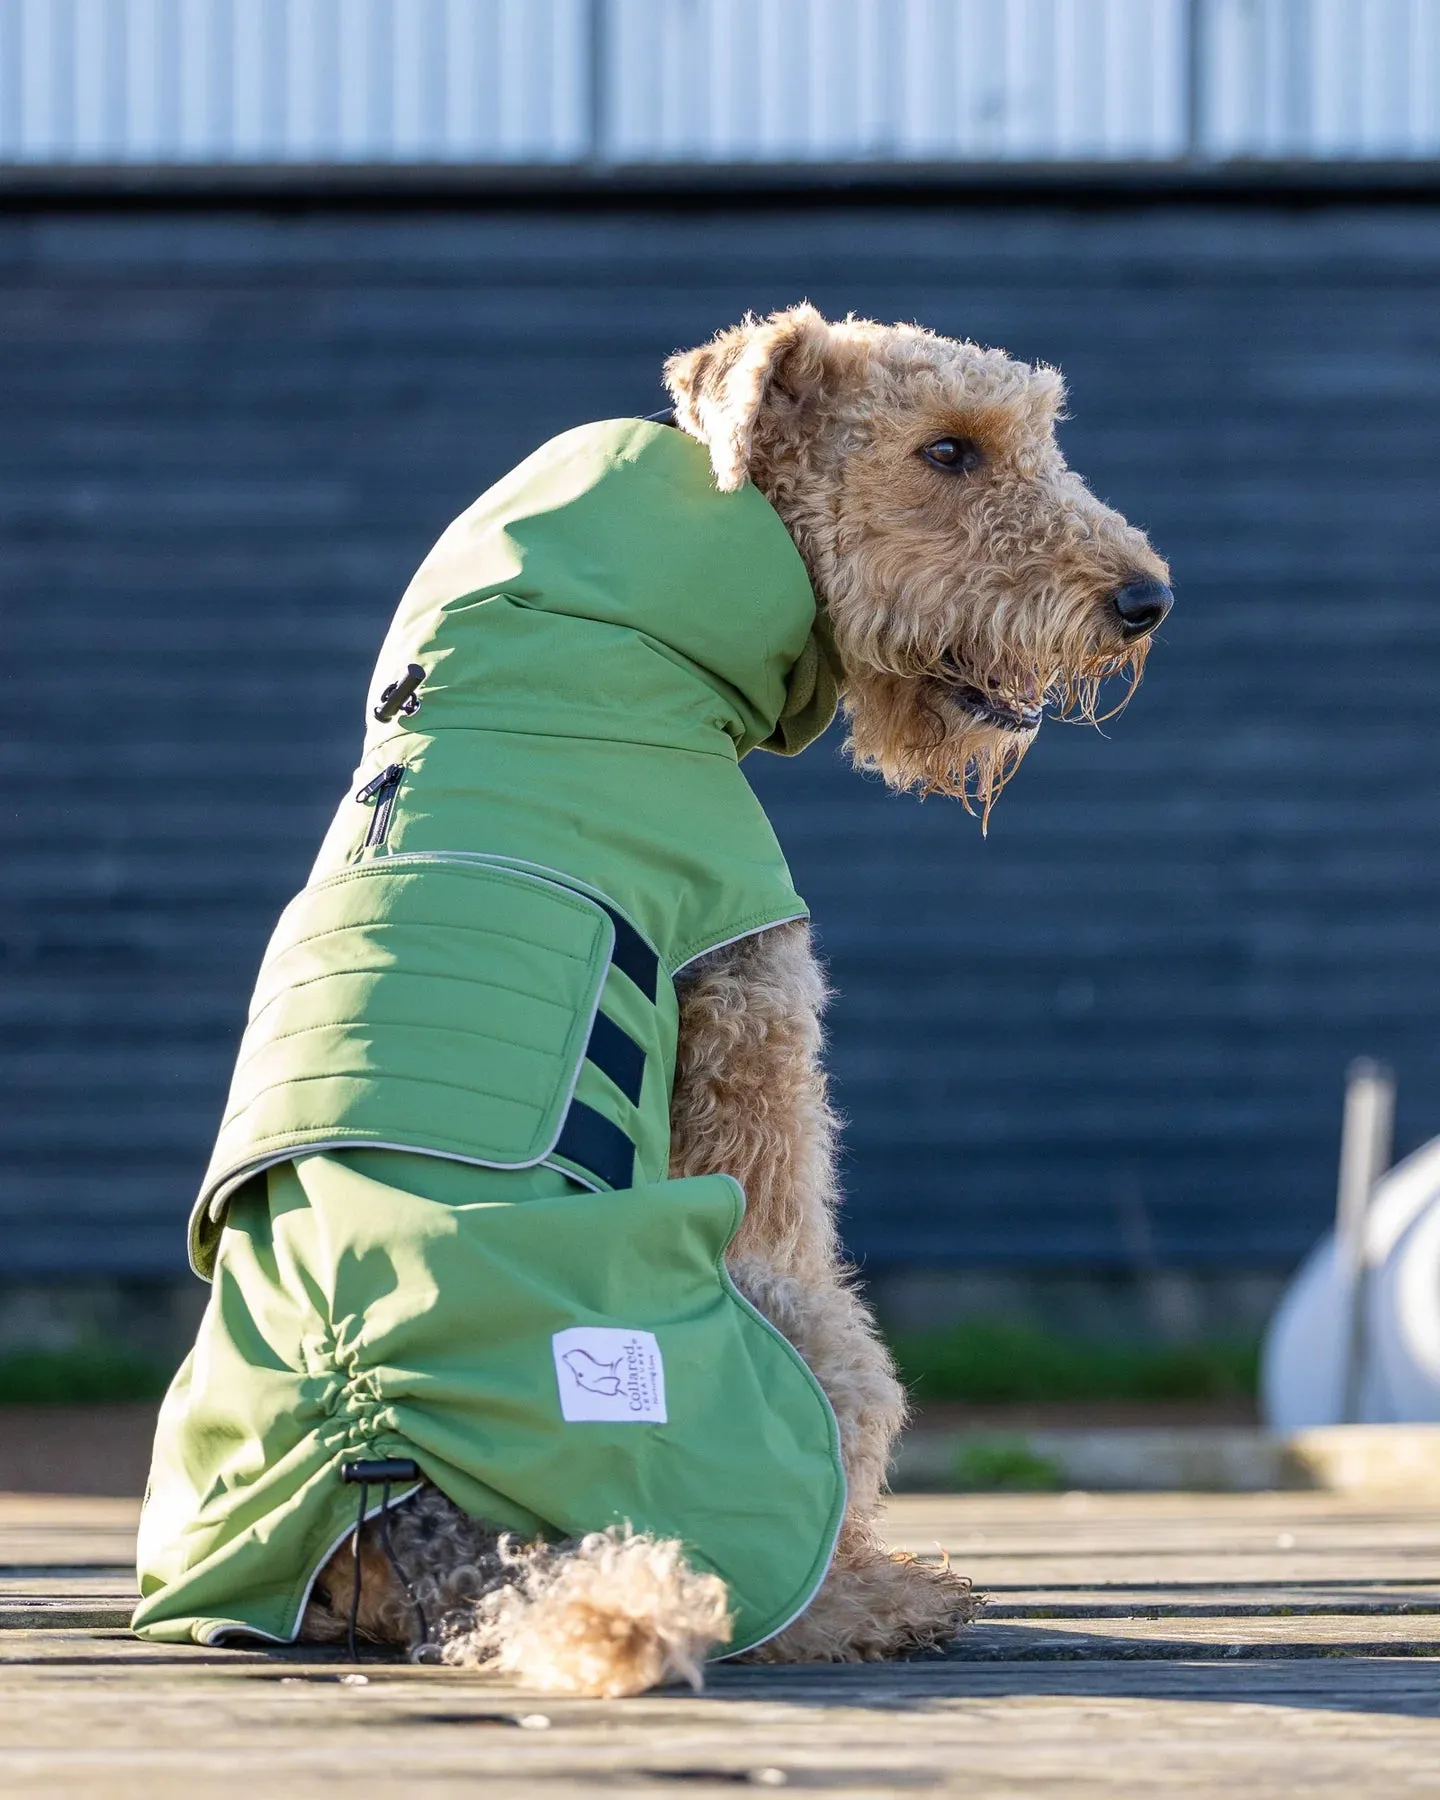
1141	605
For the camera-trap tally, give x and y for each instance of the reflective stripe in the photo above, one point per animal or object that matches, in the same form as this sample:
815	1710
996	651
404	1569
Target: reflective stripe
632	955
616	1054
597	1145
588	1137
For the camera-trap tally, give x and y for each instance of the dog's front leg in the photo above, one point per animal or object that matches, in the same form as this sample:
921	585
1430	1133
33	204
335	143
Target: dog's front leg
750	1101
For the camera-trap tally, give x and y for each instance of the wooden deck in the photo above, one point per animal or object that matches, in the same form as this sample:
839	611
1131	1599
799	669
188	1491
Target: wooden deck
1251	1645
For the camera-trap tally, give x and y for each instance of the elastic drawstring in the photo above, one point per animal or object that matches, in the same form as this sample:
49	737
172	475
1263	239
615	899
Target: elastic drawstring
355	1574
366	1474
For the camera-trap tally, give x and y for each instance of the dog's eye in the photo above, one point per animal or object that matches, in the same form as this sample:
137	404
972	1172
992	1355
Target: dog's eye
956	456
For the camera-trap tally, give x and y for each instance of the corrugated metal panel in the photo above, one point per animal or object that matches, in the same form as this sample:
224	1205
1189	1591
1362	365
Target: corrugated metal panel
1323	78
881	80
544	81
305	81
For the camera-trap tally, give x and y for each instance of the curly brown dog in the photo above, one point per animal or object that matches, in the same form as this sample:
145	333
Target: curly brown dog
971	581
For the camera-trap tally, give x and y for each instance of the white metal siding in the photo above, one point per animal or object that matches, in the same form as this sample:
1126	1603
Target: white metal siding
881	80
307	81
554	81
1347	78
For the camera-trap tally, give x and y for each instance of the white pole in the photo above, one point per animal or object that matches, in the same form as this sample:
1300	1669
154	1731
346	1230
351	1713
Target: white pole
1366	1139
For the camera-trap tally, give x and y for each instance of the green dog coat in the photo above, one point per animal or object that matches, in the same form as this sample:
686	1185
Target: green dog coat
438	1219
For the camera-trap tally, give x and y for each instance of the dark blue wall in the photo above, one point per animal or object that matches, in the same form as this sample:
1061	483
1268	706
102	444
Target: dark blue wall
225	443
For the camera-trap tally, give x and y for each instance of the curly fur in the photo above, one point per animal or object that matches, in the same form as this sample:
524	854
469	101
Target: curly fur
606	1615
451	1561
750	1095
949	596
614	1614
875	1605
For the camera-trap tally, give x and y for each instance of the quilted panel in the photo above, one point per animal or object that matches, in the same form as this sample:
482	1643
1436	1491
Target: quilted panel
418	1002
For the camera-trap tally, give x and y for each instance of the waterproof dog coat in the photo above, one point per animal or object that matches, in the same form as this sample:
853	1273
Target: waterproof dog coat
438	1218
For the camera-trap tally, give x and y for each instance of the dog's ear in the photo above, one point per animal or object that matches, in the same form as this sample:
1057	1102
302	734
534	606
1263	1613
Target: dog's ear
719	389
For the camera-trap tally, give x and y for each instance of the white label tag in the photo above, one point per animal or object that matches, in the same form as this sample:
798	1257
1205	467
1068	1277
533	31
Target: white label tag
609	1374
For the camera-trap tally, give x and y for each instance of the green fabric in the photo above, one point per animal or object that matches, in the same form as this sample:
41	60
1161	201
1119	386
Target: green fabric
812	694
603	636
354	1315
435	1003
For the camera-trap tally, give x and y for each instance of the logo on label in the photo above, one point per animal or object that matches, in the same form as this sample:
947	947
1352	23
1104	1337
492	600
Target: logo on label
609	1374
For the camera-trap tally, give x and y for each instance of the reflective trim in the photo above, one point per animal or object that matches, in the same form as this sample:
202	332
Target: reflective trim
591	1140
739	938
632	955
217	1634
616	1054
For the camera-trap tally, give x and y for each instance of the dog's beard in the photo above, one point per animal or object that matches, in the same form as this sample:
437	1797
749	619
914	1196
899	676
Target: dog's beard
963	735
921	740
1075	697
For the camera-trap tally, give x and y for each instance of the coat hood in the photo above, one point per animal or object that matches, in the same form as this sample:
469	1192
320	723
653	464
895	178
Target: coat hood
619	524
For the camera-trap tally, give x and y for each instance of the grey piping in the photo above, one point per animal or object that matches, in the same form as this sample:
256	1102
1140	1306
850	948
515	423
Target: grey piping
574	1175
213	1206
739	938
576	883
218	1633
775	1332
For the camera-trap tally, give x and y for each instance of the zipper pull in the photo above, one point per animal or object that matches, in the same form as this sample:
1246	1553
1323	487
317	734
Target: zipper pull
388	777
383	789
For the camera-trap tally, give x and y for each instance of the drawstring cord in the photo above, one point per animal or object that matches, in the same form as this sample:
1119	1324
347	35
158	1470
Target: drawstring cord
355	1574
365	1475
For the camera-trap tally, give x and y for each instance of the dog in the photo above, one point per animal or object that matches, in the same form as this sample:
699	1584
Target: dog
912	513
972	582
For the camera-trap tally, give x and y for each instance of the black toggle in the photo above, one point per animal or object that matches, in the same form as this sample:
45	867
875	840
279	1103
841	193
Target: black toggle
381	1471
401	695
391	1468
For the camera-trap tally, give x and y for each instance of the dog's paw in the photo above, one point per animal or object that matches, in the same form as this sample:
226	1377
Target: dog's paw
872	1610
931	1604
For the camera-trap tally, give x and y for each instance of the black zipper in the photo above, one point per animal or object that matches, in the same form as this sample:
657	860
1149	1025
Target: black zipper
383	789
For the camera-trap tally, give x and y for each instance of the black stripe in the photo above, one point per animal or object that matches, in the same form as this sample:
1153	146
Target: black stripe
597	1145
633	956
616	1054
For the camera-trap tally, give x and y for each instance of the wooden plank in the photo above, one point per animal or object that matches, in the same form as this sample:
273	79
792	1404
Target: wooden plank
1154	1635
1153	1600
1101	1729
66	1531
53	1612
99	1635
1091	1542
75	1451
1210	1693
52	1582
